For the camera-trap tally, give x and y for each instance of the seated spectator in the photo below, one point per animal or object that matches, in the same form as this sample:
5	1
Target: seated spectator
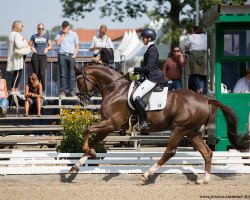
102	41
33	94
4	103
172	69
243	84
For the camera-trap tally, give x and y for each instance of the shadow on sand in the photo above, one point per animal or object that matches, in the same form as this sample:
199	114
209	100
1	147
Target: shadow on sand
68	179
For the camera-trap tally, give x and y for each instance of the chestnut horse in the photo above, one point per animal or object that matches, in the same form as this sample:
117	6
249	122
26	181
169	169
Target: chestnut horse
184	114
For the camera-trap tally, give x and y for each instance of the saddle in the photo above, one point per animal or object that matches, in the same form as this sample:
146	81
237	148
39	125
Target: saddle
155	99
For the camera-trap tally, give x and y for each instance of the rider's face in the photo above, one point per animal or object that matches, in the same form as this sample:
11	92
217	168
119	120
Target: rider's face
145	40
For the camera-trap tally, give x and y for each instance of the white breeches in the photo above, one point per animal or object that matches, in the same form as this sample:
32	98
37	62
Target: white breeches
145	87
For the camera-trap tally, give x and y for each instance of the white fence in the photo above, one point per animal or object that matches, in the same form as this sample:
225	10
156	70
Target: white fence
19	162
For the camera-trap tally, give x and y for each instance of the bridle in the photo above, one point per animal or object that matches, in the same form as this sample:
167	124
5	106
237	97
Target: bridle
85	96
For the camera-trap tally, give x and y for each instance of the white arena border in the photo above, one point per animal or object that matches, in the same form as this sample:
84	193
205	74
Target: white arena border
123	162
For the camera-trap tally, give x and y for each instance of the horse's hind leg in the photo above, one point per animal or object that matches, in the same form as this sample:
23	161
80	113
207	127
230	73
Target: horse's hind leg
170	151
206	153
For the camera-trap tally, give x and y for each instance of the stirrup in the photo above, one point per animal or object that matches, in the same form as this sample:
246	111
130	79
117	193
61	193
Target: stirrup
144	126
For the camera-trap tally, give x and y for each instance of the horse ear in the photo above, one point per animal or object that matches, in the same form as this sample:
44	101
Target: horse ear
78	72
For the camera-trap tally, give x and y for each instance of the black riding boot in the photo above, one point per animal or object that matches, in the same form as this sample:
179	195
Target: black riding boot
139	105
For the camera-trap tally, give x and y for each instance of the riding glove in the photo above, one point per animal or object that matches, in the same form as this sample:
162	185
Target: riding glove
131	70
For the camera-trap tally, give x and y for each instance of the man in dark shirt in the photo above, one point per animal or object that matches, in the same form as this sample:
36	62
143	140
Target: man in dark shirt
172	69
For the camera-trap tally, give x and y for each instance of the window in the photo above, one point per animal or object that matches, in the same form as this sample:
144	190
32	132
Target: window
237	43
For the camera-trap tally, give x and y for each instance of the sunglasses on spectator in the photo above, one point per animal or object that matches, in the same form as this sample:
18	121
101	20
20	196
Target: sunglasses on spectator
40	28
176	50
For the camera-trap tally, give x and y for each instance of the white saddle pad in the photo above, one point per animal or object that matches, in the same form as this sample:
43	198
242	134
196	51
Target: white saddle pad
157	100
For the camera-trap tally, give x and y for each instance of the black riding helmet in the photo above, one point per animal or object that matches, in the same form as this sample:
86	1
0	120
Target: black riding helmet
149	32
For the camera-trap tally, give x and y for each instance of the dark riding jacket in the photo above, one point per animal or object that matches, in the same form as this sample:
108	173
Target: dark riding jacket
150	67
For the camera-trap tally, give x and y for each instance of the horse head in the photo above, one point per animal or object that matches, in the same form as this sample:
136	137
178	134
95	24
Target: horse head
97	76
85	84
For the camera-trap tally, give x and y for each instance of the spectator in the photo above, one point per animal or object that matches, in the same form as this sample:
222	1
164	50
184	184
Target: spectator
4	103
102	41
243	84
33	94
172	69
68	43
40	44
15	60
197	45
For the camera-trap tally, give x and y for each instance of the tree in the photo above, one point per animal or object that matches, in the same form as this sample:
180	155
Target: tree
167	9
4	38
54	31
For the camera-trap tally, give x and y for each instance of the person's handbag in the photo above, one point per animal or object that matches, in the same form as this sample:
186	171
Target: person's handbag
23	51
107	55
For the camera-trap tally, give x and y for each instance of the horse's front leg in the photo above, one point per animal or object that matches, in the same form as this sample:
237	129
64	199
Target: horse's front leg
104	127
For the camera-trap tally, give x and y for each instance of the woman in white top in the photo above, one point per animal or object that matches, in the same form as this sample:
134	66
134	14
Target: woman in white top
100	41
15	60
243	84
197	45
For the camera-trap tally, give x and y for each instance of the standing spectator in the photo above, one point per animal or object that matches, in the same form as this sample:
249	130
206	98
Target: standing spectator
15	61
197	45
68	43
102	41
4	103
172	69
243	84
42	44
33	94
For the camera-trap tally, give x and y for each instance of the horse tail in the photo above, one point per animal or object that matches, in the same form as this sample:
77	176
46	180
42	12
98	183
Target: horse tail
239	142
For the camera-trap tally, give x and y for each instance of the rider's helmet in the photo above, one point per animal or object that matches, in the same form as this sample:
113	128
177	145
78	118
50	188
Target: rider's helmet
148	32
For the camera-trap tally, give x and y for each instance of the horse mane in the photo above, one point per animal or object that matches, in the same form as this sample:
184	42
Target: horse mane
114	69
98	64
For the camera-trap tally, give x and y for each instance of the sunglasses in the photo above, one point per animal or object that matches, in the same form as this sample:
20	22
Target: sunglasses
176	50
40	29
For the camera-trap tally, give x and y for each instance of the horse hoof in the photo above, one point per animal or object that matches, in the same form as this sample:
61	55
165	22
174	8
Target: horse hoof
201	181
74	169
92	153
143	178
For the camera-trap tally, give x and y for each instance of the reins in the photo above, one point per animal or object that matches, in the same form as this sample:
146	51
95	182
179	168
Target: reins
107	86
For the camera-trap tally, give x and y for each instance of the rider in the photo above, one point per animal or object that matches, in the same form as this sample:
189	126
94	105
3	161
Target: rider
152	74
